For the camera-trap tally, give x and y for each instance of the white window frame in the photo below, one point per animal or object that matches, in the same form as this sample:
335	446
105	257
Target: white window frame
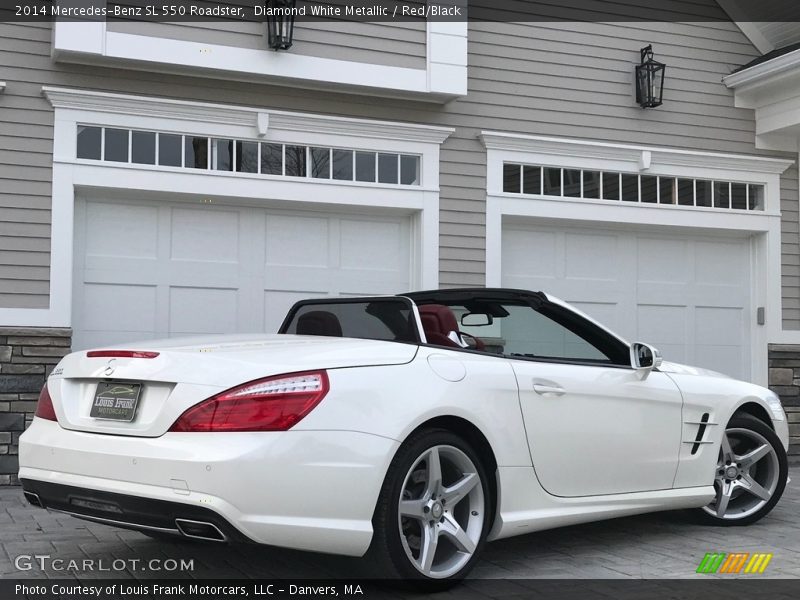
443	78
71	174
765	226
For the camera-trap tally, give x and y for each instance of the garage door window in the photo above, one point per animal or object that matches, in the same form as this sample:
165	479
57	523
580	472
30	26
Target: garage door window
106	144
631	187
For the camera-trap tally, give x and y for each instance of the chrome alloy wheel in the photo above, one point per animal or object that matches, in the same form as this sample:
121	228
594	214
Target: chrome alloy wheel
441	511
746	476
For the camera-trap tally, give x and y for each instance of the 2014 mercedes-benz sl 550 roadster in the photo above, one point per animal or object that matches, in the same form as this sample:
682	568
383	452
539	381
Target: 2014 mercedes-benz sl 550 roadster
410	428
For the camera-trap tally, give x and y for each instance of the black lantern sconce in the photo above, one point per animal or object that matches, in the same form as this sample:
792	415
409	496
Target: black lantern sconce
649	80
280	24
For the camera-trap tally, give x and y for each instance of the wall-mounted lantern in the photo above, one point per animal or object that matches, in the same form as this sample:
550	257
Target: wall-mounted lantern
280	24
649	80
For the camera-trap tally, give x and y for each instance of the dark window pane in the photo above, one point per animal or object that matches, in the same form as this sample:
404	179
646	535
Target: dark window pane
572	183
223	155
321	163
272	159
552	182
247	157
409	169
343	165
116	148
756	197
649	188
591	184
196	149
702	192
722	194
169	150
667	191
531	180
296	161
739	196
610	186
143	147
511	175
387	168
89	142
686	192
630	187
365	166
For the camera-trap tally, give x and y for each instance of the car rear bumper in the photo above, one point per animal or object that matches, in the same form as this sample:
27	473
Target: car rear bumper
309	490
132	512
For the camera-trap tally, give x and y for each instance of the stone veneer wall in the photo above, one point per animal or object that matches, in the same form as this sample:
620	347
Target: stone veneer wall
784	380
27	355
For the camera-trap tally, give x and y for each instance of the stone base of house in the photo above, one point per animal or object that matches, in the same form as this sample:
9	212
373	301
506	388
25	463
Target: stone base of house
784	380
27	355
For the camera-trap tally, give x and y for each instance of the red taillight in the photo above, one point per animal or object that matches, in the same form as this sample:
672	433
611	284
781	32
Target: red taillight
120	354
44	408
271	404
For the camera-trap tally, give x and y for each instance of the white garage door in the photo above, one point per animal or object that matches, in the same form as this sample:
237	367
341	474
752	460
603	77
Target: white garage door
687	295
157	269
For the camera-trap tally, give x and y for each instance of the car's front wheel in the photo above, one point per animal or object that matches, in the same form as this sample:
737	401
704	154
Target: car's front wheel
434	510
750	474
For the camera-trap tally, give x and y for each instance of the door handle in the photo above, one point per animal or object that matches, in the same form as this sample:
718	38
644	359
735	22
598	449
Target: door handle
548	388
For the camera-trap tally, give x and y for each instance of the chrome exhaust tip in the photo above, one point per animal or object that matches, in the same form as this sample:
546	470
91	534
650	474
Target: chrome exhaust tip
33	499
200	530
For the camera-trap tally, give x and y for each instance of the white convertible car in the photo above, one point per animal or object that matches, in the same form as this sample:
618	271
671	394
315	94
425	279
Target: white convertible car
411	428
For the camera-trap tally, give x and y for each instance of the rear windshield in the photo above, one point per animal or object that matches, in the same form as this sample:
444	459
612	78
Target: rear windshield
390	319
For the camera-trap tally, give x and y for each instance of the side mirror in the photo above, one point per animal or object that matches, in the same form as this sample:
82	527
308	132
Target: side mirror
476	320
644	357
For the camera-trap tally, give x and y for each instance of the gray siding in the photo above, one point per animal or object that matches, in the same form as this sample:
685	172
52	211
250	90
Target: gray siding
393	44
560	79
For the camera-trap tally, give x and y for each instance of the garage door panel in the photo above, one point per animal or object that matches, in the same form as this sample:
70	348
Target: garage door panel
663	261
202	310
689	295
591	258
108	307
121	231
529	257
385	241
297	241
725	264
207	236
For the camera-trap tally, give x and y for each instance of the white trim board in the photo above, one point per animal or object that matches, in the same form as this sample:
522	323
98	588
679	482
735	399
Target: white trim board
69	173
763	227
444	77
261	120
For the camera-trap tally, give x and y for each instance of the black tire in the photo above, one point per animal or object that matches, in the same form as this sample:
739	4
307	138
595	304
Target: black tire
748	422
387	556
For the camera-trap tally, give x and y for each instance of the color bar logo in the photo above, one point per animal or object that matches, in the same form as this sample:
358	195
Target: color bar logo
735	563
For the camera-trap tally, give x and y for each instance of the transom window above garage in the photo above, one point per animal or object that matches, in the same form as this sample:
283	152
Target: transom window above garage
631	187
209	153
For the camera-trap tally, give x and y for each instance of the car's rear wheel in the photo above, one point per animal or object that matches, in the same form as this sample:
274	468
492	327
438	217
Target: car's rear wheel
750	473
434	510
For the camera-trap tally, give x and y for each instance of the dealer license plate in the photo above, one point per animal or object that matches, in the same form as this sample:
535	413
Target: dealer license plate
116	400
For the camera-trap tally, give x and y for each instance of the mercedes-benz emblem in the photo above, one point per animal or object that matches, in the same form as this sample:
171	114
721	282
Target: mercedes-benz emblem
110	368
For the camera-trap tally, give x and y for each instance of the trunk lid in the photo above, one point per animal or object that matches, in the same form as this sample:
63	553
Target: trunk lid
189	370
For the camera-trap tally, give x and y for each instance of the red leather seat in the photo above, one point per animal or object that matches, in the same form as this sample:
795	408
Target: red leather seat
437	322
